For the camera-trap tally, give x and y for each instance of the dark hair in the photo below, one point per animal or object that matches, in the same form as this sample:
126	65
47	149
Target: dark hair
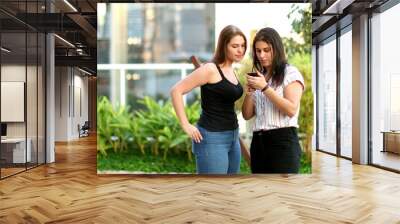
224	37
279	62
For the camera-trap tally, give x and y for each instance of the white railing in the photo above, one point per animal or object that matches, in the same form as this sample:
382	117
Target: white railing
183	67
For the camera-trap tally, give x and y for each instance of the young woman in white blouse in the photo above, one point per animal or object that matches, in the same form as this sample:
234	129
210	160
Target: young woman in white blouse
273	97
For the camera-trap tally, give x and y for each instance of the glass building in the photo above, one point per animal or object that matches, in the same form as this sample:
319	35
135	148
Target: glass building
151	34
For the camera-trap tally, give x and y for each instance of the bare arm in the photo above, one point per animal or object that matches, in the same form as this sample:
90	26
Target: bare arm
248	104
197	78
290	101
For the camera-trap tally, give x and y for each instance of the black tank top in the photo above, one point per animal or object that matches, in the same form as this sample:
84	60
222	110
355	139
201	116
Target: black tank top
218	104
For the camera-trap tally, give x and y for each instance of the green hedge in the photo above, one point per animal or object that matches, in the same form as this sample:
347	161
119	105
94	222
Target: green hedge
155	130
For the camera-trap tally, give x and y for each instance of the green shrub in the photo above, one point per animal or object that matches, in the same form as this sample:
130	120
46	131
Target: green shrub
113	127
150	130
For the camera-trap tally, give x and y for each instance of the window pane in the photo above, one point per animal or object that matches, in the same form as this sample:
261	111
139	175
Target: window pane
32	98
13	83
103	83
155	33
153	83
346	93
385	88
327	96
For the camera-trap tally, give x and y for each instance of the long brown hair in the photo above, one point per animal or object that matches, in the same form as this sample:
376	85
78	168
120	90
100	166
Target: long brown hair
224	37
279	62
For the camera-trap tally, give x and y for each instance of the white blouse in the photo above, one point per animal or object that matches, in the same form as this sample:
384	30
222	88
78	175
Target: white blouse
268	116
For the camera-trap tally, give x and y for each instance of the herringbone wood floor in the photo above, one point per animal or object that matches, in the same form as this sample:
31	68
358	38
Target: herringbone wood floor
69	191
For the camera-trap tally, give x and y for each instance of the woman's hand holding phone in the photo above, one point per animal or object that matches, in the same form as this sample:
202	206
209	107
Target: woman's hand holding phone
256	80
249	90
254	74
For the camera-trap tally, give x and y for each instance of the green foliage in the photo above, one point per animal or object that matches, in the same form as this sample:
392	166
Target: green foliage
135	161
144	140
113	127
246	66
152	130
301	24
303	63
305	164
306	115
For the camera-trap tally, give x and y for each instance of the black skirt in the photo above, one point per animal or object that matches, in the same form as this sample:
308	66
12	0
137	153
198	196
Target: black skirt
275	151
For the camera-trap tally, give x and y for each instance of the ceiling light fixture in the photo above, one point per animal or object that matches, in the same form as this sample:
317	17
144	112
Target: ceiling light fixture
337	7
5	49
70	5
64	40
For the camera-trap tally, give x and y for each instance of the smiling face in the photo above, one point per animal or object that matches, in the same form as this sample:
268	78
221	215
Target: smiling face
235	49
264	53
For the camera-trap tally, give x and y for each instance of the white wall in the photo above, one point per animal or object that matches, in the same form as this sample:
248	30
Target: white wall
61	103
13	73
82	82
16	73
71	94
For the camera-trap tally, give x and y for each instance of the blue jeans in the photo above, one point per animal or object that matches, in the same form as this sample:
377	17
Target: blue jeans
218	152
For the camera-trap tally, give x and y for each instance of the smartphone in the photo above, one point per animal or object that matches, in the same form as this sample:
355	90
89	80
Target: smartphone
254	74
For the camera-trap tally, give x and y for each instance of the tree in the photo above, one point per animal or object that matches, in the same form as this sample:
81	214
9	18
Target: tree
301	25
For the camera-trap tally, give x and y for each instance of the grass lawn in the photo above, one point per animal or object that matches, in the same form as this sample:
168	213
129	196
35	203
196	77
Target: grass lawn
135	161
